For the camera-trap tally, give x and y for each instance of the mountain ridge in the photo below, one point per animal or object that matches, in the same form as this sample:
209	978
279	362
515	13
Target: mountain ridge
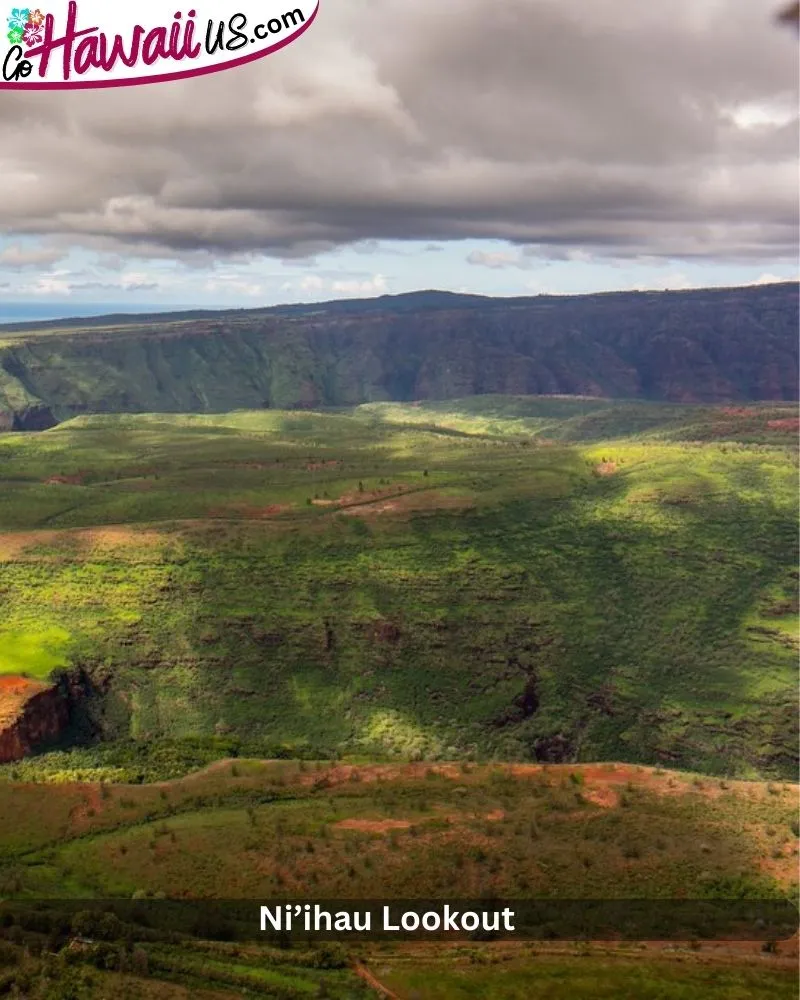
701	346
430	298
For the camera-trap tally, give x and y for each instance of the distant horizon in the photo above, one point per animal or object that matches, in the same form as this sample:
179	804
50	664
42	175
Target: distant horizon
14	312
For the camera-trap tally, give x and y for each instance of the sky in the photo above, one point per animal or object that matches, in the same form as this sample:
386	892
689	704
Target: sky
527	147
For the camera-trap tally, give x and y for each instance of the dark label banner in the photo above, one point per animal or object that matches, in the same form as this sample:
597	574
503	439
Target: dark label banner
288	921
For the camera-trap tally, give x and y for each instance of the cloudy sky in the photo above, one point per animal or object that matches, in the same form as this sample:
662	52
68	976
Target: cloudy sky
505	148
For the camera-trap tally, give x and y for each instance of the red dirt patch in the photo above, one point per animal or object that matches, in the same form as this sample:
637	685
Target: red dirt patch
396	499
408	503
92	804
367	496
606	468
602	777
246	512
15	693
74	480
373	982
791	424
606	798
340	773
109	537
373	825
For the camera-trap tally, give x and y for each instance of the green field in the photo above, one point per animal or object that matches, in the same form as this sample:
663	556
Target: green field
514	977
478	579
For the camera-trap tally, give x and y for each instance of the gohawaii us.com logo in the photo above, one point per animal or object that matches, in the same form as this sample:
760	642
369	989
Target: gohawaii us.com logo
95	43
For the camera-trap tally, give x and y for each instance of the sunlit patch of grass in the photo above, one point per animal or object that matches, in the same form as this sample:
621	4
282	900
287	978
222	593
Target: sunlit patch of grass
34	654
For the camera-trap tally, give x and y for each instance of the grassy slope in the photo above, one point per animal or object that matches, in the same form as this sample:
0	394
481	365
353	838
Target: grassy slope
583	419
317	830
249	829
578	976
513	601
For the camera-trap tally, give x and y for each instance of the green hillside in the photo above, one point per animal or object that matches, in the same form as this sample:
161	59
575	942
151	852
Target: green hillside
487	579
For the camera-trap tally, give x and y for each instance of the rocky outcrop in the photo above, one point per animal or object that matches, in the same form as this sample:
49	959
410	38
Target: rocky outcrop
34	715
33	418
40	719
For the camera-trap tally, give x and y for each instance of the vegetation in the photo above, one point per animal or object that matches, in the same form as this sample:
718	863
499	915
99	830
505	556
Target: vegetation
510	976
386	602
711	345
250	829
271	830
458	585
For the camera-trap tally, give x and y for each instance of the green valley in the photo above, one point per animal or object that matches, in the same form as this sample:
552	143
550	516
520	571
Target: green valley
513	578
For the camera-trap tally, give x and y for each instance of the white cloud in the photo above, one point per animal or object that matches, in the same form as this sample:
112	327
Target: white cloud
497	259
48	284
317	285
234	284
376	285
19	256
758	114
528	257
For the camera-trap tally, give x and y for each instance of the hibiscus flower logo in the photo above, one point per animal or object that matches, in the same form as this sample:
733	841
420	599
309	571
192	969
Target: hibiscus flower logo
32	34
25	26
18	18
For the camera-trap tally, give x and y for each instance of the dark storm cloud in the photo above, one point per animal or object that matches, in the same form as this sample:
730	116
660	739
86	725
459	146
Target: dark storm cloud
615	126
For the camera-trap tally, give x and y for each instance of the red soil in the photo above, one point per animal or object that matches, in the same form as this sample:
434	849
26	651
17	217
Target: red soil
606	468
74	480
373	825
235	511
15	692
31	713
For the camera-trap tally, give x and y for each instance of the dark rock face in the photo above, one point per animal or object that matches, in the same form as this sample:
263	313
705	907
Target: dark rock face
702	346
45	716
42	720
556	749
33	418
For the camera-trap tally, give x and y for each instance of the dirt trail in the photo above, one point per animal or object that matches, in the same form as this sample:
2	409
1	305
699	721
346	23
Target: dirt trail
373	825
363	973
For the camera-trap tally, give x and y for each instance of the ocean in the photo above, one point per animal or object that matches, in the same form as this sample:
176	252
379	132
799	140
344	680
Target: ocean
26	312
